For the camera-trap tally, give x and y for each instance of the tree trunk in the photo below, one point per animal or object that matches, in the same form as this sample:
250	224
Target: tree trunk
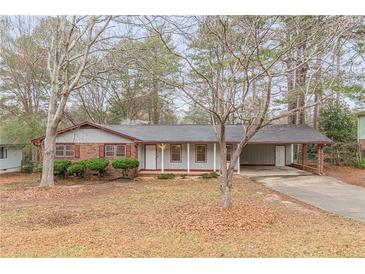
301	114
47	178
301	82
225	185
317	109
155	104
292	97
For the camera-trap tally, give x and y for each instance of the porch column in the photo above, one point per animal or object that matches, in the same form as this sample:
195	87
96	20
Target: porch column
188	157
214	157
320	159
304	155
162	158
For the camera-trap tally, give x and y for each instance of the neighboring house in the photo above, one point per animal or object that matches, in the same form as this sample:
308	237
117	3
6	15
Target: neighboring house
183	148
11	156
361	130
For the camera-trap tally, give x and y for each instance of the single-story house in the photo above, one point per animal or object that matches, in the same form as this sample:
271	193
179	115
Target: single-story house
184	148
11	155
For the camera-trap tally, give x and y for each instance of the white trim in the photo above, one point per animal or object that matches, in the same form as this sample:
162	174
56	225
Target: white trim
280	155
162	158
150	157
115	149
215	157
188	157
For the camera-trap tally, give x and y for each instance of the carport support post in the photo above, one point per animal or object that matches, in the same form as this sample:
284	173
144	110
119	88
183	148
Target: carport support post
320	159
304	155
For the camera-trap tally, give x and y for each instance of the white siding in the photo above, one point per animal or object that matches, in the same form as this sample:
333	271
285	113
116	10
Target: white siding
167	155
209	165
288	154
255	154
13	161
90	136
140	152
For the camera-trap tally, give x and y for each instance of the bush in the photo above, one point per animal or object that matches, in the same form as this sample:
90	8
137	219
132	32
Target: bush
28	167
165	176
126	164
359	163
77	169
210	175
97	164
60	167
38	168
183	176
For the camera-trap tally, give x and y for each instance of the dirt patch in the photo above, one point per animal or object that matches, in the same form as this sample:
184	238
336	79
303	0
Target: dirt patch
346	174
55	219
17	178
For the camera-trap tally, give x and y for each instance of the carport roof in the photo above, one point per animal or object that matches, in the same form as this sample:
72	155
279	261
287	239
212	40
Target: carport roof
271	134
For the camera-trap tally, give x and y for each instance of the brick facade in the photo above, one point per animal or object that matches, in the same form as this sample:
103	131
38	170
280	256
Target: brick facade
88	151
96	150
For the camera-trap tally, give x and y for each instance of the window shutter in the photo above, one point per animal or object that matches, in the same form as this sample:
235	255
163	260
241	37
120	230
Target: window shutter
101	151
128	150
77	151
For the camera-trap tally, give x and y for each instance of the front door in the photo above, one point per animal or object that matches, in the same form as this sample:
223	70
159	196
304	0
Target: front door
280	156
150	156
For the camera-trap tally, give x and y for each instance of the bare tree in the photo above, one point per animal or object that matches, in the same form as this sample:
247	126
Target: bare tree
24	79
73	43
235	65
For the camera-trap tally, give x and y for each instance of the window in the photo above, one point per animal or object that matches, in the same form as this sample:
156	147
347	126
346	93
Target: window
229	152
175	151
201	153
3	153
115	150
65	151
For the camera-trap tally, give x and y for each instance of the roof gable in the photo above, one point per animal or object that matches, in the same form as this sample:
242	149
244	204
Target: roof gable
87	125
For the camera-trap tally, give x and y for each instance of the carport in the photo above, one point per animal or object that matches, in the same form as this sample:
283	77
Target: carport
298	146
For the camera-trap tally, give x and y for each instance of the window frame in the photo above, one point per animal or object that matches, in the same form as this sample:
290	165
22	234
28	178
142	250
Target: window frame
115	150
205	153
4	153
180	153
64	150
230	154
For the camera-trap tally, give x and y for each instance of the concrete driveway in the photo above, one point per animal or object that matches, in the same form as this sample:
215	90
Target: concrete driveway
324	192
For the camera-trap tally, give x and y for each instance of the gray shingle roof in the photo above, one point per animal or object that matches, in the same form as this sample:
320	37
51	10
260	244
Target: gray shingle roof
205	133
9	142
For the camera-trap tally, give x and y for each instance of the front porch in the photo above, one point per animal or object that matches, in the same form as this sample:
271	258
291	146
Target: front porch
198	158
176	172
181	158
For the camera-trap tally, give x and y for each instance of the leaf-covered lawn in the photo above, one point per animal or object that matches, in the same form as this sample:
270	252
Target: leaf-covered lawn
166	218
347	174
